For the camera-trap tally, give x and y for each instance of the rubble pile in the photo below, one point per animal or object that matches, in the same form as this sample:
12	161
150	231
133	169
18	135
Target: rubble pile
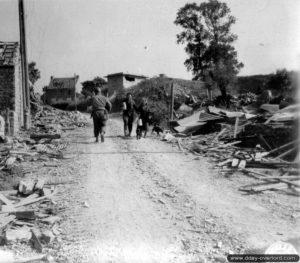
247	98
264	146
28	215
51	120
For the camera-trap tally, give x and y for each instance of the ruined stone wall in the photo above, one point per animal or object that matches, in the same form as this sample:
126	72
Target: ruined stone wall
7	88
19	98
11	98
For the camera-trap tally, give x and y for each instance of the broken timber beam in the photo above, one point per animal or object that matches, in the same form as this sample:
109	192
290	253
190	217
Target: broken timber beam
44	136
282	147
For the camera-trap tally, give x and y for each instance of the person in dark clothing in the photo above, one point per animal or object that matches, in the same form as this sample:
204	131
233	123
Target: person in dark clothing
100	108
128	114
145	115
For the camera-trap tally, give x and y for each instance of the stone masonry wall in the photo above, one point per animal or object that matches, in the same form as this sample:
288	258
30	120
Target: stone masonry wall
19	100
11	98
7	89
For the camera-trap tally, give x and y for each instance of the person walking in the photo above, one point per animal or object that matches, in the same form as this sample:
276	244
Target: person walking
100	108
144	112
128	114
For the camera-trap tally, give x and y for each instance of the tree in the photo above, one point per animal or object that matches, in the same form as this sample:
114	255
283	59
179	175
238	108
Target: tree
280	81
89	86
209	43
33	72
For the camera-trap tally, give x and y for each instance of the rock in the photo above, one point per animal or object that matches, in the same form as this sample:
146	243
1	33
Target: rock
22	234
39	184
219	244
56	231
47	236
6	256
50	220
49	259
26	188
168	137
10	161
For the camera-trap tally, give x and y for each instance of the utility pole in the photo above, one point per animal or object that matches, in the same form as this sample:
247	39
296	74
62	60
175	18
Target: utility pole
172	102
24	66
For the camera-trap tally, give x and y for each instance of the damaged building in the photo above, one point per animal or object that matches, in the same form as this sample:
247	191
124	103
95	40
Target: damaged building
120	81
61	91
11	95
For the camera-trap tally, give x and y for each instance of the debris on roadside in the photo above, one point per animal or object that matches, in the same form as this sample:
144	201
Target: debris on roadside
246	143
21	224
26	216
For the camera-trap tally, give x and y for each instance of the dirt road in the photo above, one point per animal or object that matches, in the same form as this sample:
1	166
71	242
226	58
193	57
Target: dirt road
146	201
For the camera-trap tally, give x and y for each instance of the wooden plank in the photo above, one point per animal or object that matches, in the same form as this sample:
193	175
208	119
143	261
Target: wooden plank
31	201
289	182
274	179
36	241
218	135
265	142
288	152
19	152
230	144
4	200
236	127
283	146
44	136
4	220
289	177
261	188
224	162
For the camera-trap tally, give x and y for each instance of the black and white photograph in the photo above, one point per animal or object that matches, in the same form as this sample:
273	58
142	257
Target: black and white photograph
137	131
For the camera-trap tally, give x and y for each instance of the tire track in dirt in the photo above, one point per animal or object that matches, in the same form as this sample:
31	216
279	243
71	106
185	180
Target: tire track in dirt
127	228
200	232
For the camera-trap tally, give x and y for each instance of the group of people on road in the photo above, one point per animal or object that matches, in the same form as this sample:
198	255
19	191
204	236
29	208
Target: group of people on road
101	106
129	113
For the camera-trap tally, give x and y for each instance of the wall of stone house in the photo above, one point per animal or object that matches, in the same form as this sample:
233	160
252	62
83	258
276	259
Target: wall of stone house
11	98
115	83
19	96
56	96
7	88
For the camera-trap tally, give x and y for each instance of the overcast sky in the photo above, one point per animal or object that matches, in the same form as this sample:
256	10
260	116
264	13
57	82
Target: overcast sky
100	37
